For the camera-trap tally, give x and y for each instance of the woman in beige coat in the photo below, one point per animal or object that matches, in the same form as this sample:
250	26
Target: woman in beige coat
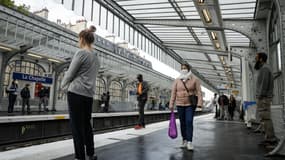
185	109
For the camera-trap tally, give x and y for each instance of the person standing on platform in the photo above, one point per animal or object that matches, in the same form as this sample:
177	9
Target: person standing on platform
264	95
25	94
142	89
12	91
103	102
107	102
215	105
184	86
232	107
80	82
43	95
224	107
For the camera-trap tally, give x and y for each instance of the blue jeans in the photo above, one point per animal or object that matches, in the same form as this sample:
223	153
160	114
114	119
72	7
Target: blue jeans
186	114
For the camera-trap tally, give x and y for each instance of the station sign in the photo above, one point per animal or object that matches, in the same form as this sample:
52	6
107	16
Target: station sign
235	92
32	78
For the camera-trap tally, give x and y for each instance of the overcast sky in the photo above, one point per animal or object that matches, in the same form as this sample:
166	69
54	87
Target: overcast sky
56	11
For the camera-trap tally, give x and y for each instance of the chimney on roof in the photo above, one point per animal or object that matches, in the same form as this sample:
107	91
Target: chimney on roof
79	26
42	13
58	21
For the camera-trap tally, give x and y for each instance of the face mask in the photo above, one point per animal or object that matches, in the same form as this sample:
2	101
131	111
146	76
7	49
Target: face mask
257	65
184	71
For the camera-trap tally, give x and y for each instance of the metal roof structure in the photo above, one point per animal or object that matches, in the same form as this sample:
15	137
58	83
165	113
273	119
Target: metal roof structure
211	35
212	66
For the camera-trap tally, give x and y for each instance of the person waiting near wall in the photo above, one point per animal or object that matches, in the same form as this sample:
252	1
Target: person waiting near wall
142	89
25	94
12	92
264	95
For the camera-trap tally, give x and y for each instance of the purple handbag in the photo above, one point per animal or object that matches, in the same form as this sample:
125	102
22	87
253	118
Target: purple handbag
172	130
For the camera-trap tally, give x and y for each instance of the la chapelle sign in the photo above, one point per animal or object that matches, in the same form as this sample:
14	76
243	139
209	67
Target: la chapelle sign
28	77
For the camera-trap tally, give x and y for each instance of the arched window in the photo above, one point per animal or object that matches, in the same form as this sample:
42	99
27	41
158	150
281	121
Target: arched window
130	90
22	66
115	91
100	88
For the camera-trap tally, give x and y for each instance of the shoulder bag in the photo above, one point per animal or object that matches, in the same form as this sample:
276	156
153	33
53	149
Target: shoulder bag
192	98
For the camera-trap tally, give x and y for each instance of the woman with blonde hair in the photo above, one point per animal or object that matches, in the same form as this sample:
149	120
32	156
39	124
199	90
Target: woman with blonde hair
186	93
80	82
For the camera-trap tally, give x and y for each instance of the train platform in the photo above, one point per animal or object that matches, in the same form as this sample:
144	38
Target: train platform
212	140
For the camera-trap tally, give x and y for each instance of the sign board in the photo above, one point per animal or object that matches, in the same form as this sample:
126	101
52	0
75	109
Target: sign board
132	93
28	77
235	92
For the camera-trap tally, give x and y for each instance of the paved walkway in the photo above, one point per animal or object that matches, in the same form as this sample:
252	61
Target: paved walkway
213	140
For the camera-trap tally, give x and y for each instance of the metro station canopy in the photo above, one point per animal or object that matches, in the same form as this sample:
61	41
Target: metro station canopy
184	40
188	30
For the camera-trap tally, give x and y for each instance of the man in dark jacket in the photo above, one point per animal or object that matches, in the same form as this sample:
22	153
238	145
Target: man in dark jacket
43	95
25	94
142	89
264	95
12	91
223	105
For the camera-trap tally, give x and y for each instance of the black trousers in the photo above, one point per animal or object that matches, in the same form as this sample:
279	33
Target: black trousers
141	105
106	107
12	100
80	109
26	101
231	111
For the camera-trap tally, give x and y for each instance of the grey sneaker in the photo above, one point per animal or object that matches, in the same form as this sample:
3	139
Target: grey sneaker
190	146
184	144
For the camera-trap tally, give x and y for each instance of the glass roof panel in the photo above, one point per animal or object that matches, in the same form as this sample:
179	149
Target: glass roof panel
219	67
189	10
155	10
127	2
147	6
214	57
197	65
161	17
236	39
237	8
191	55
202	35
155	15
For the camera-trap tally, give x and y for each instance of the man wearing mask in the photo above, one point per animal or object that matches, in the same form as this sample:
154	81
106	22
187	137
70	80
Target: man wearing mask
142	89
264	95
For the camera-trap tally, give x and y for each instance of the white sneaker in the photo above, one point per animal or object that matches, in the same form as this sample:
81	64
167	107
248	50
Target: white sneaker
184	144
190	146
